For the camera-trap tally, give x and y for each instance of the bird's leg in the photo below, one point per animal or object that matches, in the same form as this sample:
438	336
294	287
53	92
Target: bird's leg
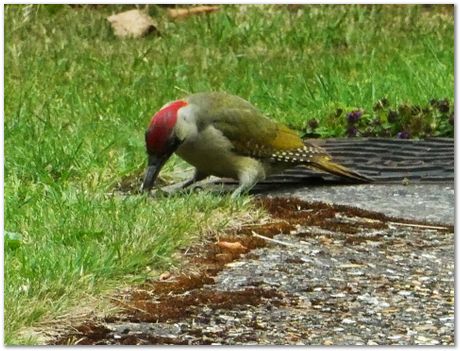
172	189
197	176
240	190
253	173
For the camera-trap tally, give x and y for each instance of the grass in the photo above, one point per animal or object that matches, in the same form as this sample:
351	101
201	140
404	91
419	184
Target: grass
77	101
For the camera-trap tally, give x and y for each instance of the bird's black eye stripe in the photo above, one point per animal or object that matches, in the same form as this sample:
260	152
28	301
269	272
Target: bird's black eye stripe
174	142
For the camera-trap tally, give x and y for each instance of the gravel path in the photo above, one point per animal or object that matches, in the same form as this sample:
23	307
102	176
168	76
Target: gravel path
393	287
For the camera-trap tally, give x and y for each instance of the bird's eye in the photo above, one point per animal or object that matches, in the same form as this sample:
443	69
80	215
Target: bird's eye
174	142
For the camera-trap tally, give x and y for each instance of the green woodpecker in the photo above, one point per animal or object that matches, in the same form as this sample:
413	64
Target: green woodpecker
225	136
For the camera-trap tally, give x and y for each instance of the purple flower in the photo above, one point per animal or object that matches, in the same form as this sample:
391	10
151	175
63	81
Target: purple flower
403	135
352	132
354	116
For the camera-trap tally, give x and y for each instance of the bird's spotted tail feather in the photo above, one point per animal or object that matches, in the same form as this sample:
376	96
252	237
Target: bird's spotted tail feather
325	164
316	157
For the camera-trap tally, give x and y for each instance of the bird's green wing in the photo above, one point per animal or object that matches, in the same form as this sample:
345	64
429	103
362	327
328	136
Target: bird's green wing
253	134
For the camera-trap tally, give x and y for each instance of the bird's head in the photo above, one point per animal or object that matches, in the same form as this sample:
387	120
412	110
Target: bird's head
161	140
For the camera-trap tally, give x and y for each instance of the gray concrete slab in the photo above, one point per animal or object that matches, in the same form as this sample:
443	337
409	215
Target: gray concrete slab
433	203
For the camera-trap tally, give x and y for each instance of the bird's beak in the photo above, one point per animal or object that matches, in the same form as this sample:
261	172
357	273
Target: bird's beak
153	169
156	163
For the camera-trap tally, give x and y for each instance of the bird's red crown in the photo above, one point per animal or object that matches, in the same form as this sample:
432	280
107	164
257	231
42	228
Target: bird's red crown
161	126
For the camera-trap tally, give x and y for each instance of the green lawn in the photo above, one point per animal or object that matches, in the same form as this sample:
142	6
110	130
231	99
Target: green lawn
77	102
